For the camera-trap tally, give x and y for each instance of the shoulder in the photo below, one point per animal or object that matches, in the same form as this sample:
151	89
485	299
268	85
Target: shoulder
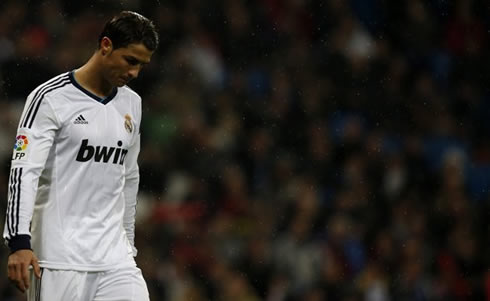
39	99
131	99
53	83
127	91
132	102
51	86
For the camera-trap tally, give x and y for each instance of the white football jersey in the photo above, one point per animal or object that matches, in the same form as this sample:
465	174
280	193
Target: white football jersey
74	177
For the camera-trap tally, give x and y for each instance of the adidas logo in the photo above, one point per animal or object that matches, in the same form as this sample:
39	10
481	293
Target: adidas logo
80	120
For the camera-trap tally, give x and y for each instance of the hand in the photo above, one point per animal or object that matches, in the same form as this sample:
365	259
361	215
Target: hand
18	268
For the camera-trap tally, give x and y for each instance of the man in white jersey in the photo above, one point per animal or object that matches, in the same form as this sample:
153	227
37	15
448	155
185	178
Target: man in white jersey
74	175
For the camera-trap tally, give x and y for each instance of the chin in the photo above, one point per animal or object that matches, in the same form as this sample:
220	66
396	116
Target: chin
121	83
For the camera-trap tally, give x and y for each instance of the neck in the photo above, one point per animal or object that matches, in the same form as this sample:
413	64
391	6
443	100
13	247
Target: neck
90	77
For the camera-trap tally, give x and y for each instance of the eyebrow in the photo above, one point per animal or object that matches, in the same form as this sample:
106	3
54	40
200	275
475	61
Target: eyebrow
136	59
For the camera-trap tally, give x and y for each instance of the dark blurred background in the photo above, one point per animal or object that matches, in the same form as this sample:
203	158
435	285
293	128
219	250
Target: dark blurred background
292	150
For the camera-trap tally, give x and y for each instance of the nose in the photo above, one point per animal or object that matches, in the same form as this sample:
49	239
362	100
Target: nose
133	72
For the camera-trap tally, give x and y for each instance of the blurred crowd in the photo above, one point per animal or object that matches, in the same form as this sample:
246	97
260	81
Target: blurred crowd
292	149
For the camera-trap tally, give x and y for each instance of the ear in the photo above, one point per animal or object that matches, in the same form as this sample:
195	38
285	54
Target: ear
105	46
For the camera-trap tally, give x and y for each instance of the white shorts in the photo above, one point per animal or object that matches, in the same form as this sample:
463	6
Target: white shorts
125	284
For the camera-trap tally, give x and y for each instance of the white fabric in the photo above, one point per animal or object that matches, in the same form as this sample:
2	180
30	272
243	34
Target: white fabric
77	178
126	284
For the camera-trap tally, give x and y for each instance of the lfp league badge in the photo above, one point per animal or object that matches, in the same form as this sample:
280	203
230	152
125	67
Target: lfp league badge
20	147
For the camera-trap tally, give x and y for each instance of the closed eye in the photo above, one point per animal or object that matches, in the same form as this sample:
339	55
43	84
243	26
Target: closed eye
132	61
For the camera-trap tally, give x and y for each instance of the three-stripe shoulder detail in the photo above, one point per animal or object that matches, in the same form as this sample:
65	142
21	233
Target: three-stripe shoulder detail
53	84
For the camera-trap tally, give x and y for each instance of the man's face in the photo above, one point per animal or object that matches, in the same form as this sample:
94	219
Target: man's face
124	64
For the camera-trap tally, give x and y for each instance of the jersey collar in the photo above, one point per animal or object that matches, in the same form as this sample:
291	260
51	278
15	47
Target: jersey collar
102	100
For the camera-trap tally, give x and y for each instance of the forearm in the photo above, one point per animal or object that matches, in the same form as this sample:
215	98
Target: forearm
21	198
130	192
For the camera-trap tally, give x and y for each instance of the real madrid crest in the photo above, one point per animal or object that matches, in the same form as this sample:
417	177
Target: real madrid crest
128	123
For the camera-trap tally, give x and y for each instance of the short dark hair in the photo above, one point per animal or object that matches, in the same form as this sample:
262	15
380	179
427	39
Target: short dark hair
129	27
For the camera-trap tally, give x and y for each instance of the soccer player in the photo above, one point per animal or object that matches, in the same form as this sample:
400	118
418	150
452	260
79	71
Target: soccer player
74	176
